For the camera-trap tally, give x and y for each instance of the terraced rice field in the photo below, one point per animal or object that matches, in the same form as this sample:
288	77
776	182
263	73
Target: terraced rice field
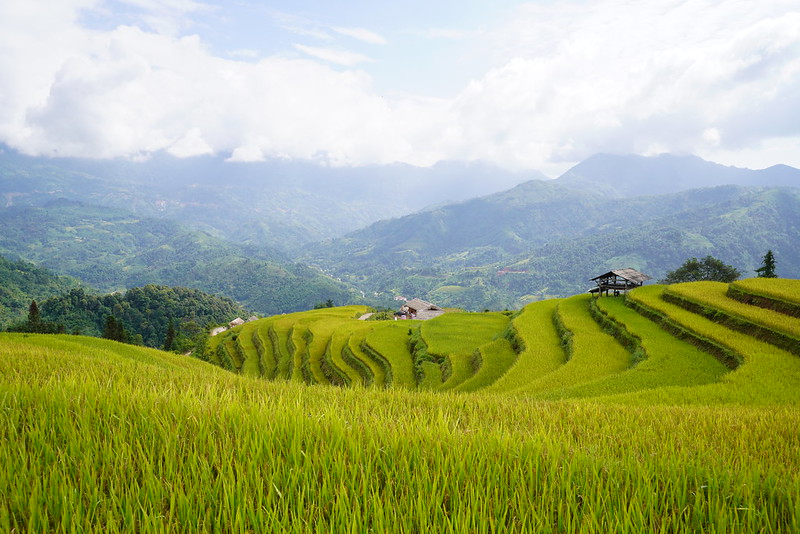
674	409
699	337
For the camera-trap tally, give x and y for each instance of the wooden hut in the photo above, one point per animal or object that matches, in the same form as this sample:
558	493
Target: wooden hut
420	309
618	281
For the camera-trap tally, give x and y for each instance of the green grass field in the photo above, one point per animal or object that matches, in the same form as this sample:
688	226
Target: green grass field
575	415
540	351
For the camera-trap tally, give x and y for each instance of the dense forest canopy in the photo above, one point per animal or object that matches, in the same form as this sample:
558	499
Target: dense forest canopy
143	311
22	282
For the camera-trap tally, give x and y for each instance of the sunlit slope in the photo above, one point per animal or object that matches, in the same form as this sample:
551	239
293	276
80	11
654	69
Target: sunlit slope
454	340
762	372
537	343
696	342
782	295
96	436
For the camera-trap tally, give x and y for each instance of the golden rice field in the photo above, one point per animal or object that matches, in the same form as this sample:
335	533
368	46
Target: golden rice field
670	410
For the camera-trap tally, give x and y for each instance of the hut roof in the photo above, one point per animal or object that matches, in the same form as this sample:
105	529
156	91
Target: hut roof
419	305
632	275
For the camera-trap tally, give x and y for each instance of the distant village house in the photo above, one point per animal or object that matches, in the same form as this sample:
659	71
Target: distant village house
236	322
418	309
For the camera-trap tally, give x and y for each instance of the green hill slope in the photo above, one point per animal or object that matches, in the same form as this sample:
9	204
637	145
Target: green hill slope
21	282
146	311
689	343
278	203
100	436
113	250
542	239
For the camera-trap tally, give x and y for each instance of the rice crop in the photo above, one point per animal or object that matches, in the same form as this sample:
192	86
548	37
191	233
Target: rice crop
665	360
251	365
714	295
338	342
454	337
783	289
390	341
767	375
266	351
102	437
297	342
492	361
279	333
540	349
592	354
376	368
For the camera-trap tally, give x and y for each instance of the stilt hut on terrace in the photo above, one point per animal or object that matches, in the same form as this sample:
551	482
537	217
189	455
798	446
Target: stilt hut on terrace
618	280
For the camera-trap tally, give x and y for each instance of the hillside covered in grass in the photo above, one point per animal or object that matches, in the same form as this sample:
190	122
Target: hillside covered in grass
674	409
681	343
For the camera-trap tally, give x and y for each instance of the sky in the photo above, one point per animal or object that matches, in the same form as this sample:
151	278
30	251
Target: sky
537	85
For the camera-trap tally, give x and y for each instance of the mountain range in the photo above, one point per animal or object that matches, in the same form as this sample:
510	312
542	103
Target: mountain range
627	176
112	250
249	231
281	204
548	238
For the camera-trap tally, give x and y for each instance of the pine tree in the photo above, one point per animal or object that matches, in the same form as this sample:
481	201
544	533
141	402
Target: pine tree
110	329
115	330
34	317
169	341
767	269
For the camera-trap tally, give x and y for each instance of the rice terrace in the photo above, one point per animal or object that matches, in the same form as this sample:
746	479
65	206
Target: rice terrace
669	409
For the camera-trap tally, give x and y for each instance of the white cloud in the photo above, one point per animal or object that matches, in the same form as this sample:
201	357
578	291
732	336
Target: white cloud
191	144
716	78
340	57
247	153
575	79
300	25
166	16
361	34
247	53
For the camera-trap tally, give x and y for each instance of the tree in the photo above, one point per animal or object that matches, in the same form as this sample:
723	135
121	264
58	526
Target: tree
110	329
34	317
169	341
115	330
35	325
767	269
709	268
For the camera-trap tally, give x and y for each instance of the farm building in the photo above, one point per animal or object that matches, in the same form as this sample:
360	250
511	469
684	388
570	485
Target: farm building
420	309
618	280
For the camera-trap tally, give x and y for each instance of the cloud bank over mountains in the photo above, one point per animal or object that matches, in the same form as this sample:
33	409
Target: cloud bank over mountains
720	79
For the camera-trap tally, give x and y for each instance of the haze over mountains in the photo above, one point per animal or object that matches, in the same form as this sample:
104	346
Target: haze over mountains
467	235
627	176
284	204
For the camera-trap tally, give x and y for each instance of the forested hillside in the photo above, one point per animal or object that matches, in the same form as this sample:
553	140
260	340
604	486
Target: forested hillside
144	312
22	282
277	203
113	250
541	239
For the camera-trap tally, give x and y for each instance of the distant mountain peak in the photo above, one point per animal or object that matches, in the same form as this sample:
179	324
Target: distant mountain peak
625	176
